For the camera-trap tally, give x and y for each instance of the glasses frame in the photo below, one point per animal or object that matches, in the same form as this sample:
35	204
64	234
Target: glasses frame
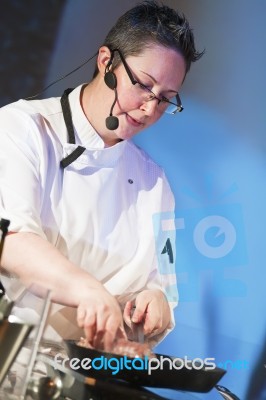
178	103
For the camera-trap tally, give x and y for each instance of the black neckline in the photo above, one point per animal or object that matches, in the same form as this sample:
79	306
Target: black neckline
65	162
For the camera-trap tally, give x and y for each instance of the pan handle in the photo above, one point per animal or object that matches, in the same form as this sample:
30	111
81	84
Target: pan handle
225	393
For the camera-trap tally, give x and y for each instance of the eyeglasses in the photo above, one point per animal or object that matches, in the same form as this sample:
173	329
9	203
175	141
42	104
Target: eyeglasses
169	106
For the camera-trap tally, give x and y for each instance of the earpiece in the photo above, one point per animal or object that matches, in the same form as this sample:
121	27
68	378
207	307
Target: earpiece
110	80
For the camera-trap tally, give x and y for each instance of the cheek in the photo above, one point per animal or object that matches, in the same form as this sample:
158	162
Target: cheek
126	103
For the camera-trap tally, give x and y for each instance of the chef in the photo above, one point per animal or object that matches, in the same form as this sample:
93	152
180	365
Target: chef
89	210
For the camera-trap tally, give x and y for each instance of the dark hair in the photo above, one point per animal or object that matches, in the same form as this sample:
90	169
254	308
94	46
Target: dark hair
150	23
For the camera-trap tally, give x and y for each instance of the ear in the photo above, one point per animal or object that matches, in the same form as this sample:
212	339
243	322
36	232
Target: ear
104	56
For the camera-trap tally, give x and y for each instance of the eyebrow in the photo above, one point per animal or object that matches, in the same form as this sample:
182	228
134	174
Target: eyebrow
155	81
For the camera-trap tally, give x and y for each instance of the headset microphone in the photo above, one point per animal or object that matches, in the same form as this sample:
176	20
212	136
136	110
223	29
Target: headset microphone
111	122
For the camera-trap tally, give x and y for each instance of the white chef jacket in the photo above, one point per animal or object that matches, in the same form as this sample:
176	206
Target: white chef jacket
107	212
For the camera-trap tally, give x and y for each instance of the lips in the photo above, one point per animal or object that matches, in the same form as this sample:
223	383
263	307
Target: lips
133	121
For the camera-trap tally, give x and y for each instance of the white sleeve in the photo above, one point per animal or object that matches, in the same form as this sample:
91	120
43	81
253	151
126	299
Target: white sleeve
20	179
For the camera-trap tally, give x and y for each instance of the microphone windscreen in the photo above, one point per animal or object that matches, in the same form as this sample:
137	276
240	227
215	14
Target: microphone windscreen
111	123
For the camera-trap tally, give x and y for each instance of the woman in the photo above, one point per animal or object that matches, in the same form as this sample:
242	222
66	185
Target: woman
85	204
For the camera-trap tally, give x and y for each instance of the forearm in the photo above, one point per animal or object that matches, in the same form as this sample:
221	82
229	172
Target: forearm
37	262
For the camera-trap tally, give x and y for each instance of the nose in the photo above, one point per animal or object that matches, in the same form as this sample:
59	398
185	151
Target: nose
150	107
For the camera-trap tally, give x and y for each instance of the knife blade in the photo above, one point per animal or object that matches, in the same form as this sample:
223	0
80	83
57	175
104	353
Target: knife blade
137	329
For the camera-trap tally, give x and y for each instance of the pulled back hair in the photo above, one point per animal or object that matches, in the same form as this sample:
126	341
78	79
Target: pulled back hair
151	23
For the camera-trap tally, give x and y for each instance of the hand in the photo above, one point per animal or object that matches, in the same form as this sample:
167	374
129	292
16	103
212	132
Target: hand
98	312
100	316
152	310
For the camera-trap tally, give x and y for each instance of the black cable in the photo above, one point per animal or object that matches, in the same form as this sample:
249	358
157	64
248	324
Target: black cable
62	77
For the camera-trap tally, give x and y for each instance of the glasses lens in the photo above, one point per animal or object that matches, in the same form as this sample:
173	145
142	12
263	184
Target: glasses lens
171	108
174	106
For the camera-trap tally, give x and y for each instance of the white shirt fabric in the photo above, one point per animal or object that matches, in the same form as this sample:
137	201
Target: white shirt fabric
106	212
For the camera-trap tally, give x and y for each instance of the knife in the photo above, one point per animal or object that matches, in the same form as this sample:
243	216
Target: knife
137	329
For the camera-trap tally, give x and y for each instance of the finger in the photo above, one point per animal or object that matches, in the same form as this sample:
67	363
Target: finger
139	312
98	340
80	317
89	333
155	332
89	326
127	313
112	332
108	341
121	334
152	324
103	334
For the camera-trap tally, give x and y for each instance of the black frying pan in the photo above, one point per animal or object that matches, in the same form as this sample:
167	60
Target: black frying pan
191	380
